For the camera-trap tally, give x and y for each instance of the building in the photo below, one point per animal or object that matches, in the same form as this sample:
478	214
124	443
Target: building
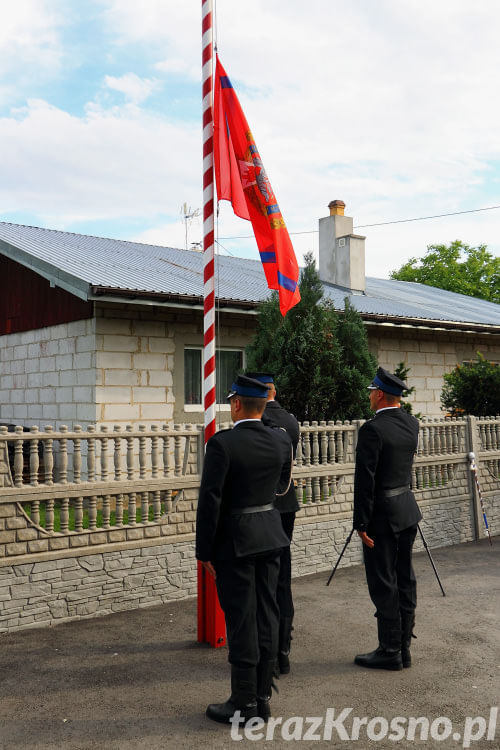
95	330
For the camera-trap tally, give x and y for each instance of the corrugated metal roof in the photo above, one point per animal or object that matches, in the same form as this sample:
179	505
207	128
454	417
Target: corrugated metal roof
133	266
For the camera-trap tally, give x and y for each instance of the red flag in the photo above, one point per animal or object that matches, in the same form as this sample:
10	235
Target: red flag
241	178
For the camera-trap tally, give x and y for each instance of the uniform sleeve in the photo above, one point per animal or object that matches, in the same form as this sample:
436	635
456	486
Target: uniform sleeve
367	457
294	433
286	468
215	468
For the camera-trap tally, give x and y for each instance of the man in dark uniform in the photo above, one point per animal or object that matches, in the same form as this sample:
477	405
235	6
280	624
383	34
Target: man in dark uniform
287	504
239	537
386	515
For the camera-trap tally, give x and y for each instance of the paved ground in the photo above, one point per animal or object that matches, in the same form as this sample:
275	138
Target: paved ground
139	680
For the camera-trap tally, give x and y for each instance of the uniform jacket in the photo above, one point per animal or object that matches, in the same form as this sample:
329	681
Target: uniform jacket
384	457
275	416
243	467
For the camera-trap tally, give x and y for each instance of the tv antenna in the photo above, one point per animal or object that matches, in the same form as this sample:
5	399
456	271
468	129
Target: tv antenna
189	214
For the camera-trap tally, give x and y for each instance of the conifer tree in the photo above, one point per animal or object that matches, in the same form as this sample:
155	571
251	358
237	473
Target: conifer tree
402	372
319	357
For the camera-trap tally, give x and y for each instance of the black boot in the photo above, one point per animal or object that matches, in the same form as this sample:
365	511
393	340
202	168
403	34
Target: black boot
388	653
407	625
266	670
243	697
285	638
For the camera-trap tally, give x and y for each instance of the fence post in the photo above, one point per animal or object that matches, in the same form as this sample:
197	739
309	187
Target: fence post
473	444
357	424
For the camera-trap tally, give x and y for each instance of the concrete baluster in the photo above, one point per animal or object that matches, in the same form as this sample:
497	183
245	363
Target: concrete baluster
103	439
79	514
18	458
130	476
91	454
63	456
48	456
167	465
64	515
77	456
34	458
143	472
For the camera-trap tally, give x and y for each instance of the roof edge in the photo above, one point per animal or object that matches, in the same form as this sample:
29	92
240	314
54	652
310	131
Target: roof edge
189	300
141	296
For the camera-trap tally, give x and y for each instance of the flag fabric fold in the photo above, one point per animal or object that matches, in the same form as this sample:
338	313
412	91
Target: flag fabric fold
241	179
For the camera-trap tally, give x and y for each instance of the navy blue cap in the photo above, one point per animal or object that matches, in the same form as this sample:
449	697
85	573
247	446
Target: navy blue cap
263	377
387	382
245	386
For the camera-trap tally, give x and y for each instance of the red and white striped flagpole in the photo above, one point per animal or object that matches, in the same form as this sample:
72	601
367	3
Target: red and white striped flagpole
211	623
209	398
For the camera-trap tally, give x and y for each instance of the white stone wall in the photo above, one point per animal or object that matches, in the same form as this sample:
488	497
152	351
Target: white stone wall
47	376
126	365
429	355
134	366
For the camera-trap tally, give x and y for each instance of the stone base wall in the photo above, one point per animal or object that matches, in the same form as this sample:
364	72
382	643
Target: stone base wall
317	544
92	585
47	593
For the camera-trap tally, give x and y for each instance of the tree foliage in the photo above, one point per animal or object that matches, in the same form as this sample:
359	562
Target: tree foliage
456	267
402	372
473	388
319	357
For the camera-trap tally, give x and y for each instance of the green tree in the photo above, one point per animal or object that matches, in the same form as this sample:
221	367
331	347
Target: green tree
402	373
456	267
473	388
320	358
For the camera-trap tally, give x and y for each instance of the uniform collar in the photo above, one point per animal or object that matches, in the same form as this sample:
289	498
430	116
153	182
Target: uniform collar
240	421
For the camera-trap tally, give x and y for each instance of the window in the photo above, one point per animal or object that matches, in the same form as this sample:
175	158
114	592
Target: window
228	362
192	376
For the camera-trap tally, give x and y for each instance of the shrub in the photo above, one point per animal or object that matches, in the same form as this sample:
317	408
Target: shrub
473	388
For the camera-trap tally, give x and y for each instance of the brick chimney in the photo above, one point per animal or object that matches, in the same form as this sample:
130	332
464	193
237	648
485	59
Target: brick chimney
341	253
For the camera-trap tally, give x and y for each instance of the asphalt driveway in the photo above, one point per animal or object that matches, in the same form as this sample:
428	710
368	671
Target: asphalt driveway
139	679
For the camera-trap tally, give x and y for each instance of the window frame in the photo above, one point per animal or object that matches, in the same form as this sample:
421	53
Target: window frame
199	407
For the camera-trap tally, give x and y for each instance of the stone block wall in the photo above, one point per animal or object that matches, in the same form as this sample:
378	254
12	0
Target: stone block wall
134	366
126	365
48	375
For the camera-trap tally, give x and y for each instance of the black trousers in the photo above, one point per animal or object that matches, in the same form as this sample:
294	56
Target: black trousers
389	573
246	587
284	592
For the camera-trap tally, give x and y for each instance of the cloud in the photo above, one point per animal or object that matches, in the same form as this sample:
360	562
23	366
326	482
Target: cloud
106	165
179	66
30	41
134	88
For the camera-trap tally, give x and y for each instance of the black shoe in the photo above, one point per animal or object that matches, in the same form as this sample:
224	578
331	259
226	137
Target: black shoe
380	659
224	712
243	697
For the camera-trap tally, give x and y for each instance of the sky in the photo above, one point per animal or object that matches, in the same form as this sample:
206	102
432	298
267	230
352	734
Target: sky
392	107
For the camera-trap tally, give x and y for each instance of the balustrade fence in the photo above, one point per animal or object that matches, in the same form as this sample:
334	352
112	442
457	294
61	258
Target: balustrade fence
75	482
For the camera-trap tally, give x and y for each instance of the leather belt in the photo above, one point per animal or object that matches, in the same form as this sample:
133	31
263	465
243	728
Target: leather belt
395	491
251	509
